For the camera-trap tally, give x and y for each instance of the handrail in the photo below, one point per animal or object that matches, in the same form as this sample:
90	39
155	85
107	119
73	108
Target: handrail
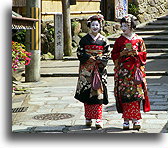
24	18
73	12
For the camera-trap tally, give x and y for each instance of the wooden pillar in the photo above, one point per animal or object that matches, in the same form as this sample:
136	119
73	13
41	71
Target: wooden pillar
67	28
33	42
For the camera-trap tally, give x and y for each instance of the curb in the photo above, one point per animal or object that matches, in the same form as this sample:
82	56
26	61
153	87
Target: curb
149	73
148	57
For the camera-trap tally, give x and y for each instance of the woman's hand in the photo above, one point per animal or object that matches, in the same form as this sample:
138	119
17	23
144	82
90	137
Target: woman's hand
124	52
133	52
116	63
129	53
93	58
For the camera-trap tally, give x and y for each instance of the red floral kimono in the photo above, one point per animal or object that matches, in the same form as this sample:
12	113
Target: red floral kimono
128	94
92	99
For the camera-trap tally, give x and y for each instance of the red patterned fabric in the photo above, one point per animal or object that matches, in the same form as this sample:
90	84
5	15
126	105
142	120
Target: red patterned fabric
94	49
131	110
93	111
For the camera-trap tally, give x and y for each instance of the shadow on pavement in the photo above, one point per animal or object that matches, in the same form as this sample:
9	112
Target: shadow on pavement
82	129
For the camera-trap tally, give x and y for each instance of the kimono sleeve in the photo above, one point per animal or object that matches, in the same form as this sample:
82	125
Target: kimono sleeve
107	49
106	53
81	53
142	52
115	54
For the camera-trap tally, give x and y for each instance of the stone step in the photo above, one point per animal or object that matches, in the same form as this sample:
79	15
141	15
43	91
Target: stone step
147	37
154	37
163	18
155	56
159	22
75	74
151	55
70	68
157	50
152	28
150	44
155	32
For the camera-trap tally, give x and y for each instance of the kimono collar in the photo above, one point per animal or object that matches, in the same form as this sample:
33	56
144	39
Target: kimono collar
129	37
94	37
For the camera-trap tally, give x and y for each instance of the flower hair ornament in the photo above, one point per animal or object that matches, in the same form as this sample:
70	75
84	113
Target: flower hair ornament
98	17
130	20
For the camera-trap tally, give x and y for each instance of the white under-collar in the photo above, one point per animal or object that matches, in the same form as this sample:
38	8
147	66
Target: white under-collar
94	37
129	37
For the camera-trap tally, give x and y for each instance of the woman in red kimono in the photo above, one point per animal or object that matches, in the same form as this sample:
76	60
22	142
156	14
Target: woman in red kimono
93	54
129	55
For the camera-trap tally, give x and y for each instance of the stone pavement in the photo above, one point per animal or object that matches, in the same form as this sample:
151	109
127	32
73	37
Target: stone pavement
53	98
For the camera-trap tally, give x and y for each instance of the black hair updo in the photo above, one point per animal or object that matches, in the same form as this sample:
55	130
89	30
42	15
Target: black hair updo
130	20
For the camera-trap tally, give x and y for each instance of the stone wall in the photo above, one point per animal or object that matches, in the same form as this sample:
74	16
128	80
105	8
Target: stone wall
151	9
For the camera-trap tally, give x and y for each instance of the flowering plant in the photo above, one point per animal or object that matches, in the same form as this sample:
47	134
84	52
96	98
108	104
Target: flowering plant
19	55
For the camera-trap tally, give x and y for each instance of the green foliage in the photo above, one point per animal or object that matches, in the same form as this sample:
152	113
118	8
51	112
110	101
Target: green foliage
50	34
75	24
133	9
20	36
82	34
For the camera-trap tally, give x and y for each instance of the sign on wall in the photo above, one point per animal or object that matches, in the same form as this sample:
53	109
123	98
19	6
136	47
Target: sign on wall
121	8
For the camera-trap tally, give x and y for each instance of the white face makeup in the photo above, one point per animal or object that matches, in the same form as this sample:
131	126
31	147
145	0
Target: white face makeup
125	28
95	26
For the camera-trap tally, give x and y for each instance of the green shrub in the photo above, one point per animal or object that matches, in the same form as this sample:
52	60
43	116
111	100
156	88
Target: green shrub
19	36
133	9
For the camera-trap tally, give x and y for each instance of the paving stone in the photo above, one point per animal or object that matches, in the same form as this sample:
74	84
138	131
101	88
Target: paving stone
78	128
151	93
58	105
16	105
162	92
79	122
60	122
158	100
112	117
44	99
51	102
21	129
82	117
39	103
113	122
152	130
154	84
161	103
34	123
38	100
159	108
33	96
158	88
156	121
148	116
162	116
70	110
156	112
69	98
67	101
76	105
49	129
43	111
